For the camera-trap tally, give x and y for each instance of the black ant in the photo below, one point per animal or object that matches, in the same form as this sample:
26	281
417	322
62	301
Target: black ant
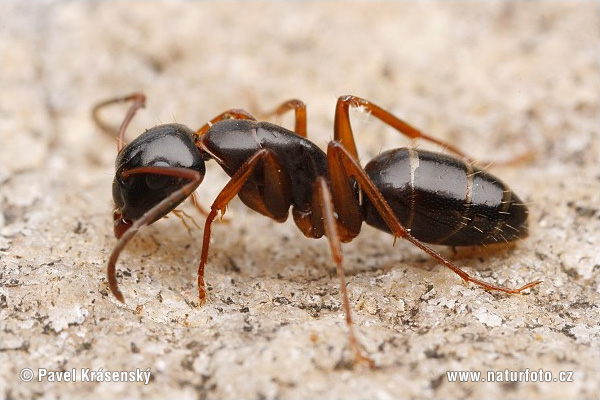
420	196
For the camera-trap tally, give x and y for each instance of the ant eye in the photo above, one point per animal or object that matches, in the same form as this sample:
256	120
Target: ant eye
156	182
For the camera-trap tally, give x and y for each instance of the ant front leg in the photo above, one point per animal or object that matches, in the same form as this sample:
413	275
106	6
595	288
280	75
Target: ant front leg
234	113
276	188
353	168
152	215
139	101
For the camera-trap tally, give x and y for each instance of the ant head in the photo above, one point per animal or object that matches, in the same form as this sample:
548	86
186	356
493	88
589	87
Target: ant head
163	146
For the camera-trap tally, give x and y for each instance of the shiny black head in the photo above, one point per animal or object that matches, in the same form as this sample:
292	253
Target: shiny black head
170	145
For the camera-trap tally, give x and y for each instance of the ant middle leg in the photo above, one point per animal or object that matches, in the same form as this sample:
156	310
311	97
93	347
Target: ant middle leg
323	207
353	169
299	114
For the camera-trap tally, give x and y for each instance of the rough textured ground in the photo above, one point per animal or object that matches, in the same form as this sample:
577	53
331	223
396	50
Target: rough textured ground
495	79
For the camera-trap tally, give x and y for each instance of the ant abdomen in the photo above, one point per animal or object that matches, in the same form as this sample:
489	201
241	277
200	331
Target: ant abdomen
478	208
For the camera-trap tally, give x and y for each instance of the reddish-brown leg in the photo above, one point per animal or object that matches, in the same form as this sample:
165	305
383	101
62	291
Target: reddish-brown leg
343	131
345	200
139	101
353	168
195	179
198	206
299	114
182	215
279	195
325	203
234	113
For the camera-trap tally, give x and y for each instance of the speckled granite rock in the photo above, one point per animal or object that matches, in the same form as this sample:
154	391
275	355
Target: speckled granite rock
493	78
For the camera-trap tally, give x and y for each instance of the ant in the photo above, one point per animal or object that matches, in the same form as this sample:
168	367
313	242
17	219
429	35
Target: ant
416	195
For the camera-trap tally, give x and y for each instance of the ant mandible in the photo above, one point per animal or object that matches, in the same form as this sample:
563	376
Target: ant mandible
416	195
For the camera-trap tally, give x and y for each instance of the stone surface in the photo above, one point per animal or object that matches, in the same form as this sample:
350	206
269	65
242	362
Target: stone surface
493	78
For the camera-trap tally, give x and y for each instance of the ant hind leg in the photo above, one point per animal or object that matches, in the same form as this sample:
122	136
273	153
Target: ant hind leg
354	169
343	131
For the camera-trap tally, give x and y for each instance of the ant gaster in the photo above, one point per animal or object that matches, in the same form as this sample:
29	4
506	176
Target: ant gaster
416	195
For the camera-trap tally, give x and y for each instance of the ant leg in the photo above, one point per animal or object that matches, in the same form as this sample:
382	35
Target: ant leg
234	113
299	114
154	213
139	101
525	157
354	169
343	130
322	195
201	210
198	206
345	199
182	215
276	190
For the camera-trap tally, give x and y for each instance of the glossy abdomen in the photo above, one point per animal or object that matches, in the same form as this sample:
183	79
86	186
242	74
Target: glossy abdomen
443	200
